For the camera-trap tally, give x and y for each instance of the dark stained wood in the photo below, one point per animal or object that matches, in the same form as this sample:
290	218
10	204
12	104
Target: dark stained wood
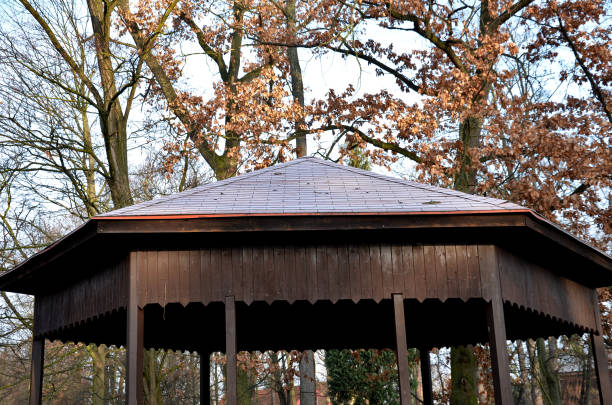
309	223
386	265
601	369
322	274
333	272
441	272
259	273
366	274
532	286
173	276
184	265
431	279
99	294
499	352
399	271
463	281
247	274
204	378
403	368
226	271
205	276
134	339
216	268
508	228
311	272
426	376
376	271
489	279
194	269
355	272
230	352
236	271
474	289
290	269
344	278
409	271
301	274
279	281
420	278
163	261
268	279
143	279
38	359
452	271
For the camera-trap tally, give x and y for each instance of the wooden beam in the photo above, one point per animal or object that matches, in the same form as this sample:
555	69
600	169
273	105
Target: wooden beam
601	369
402	349
134	338
426	376
230	351
204	377
499	351
38	359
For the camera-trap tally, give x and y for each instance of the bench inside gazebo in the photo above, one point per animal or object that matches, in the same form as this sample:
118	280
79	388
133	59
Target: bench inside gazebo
375	261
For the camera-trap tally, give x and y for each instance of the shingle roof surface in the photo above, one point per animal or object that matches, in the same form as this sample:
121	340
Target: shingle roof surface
311	185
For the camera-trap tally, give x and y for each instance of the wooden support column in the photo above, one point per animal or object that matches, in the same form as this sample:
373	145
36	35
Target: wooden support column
230	352
204	377
402	349
499	352
38	359
426	376
134	339
601	369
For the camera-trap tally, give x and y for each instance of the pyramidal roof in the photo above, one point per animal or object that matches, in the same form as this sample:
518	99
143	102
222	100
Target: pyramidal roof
313	186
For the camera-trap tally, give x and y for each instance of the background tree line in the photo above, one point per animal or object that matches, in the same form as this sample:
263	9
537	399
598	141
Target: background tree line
110	102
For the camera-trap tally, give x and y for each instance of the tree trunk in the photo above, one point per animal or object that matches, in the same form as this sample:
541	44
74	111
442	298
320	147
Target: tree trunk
152	386
536	396
550	380
112	122
98	362
297	84
464	368
524	372
307	379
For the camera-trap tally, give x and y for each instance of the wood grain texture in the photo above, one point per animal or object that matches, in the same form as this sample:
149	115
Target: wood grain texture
38	361
231	351
351	271
403	369
134	338
499	352
532	286
103	292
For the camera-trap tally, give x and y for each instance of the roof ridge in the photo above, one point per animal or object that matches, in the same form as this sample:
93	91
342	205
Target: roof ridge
203	187
414	184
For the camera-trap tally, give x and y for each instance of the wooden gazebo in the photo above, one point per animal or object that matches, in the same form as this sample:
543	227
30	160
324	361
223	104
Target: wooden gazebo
374	261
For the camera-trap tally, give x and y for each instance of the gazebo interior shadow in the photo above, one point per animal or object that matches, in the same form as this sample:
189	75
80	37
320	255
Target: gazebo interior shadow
323	325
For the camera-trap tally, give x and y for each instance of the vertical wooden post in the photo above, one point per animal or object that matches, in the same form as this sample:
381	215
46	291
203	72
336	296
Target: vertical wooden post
230	352
499	352
601	369
204	377
38	359
426	376
134	338
402	349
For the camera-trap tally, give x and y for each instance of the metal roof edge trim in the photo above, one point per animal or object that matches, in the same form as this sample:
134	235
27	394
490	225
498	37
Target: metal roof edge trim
306	214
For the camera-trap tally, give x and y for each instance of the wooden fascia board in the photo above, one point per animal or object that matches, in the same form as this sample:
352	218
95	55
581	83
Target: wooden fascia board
568	241
319	222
